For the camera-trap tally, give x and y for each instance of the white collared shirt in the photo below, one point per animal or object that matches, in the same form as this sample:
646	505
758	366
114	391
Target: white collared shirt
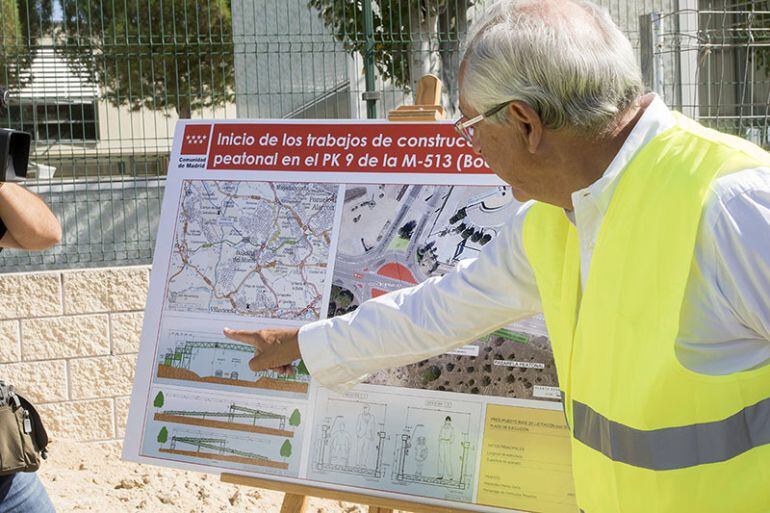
725	323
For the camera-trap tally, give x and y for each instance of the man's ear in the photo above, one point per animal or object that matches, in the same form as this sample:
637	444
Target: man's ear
524	118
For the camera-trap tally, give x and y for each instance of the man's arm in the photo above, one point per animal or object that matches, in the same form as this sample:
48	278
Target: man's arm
440	314
29	223
412	324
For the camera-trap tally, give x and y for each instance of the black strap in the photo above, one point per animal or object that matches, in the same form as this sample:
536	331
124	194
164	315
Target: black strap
38	430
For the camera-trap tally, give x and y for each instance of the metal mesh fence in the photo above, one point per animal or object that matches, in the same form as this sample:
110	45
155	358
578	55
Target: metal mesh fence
734	69
101	83
713	63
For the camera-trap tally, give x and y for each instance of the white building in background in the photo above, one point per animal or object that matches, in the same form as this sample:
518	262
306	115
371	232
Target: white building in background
288	65
99	166
81	135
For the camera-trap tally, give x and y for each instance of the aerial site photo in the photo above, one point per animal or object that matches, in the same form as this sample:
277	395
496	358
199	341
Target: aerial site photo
395	236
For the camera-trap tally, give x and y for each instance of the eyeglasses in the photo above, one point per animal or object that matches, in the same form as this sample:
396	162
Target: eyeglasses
465	128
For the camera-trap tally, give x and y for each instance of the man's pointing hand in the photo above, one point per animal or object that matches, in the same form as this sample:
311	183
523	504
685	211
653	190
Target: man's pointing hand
273	349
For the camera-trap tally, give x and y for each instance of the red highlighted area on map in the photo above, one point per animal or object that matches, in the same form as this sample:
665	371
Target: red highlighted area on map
397	272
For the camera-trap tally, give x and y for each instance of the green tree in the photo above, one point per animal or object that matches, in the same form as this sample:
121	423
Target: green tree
22	23
294	420
286	449
159	399
12	46
412	37
406	231
158	54
163	435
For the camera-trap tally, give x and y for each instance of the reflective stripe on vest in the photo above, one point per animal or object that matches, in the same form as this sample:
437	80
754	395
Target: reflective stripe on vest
674	447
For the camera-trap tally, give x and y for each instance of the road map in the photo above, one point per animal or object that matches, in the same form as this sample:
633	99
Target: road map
251	248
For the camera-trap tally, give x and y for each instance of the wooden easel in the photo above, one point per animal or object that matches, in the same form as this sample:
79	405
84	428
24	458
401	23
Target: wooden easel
296	496
427	107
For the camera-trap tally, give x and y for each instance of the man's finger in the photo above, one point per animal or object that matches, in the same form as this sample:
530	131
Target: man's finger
270	361
286	369
253	338
277	358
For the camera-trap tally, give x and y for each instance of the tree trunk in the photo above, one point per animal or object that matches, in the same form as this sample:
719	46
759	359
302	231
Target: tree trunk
184	110
452	25
422	54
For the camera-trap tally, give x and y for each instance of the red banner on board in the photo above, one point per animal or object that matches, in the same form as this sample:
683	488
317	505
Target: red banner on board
308	147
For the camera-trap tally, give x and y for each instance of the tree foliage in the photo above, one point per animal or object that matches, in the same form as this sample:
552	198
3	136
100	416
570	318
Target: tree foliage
412	37
294	419
406	231
22	23
159	400
761	21
158	54
163	435
11	39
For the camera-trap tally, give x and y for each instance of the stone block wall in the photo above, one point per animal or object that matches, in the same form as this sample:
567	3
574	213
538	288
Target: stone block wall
68	342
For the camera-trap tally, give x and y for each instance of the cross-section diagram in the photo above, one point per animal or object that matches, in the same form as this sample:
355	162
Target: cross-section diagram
212	361
435	449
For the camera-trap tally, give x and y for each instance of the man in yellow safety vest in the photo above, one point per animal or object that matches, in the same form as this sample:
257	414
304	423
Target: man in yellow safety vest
647	247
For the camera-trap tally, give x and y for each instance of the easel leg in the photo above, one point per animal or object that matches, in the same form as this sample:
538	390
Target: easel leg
293	503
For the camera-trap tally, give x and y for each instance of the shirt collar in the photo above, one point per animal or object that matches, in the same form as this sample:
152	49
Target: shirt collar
655	119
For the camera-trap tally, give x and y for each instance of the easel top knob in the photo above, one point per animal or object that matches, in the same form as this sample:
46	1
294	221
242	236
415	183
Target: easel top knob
427	103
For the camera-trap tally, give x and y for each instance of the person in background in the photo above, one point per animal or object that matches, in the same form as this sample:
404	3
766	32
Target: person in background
25	223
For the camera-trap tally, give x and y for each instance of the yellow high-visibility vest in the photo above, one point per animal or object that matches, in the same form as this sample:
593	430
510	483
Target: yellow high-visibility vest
649	435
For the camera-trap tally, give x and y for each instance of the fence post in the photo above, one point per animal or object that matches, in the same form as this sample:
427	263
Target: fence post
650	46
687	56
370	95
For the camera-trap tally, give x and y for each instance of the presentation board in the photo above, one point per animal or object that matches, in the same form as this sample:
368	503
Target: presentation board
279	223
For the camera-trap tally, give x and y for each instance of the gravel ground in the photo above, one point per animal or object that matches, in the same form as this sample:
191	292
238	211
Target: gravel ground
91	477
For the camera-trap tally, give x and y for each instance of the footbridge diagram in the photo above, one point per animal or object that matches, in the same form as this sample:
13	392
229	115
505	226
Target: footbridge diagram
236	417
218	449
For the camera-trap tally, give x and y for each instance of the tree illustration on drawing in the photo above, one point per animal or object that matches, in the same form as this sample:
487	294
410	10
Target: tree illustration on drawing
163	435
294	420
286	449
159	399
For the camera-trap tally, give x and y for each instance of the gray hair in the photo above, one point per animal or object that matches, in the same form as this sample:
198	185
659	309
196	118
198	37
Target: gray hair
578	73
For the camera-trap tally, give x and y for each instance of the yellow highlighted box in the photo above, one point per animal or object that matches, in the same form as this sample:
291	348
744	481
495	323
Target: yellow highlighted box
525	461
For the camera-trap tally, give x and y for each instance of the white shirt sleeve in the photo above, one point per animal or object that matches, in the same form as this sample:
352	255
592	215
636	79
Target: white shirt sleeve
725	325
483	294
742	234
